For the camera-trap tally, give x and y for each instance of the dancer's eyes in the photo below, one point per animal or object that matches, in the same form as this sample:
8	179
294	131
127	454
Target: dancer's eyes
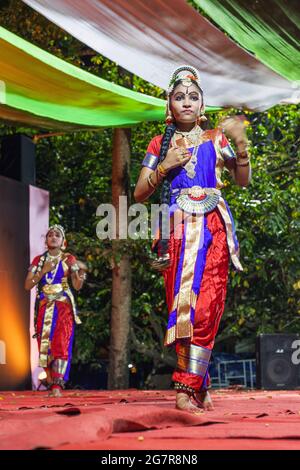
54	234
191	97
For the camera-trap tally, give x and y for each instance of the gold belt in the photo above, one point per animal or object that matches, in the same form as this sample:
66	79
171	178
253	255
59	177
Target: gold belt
53	291
50	289
59	295
198	191
185	201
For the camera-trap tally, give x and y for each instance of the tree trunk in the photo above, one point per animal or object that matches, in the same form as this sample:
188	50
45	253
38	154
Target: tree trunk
118	374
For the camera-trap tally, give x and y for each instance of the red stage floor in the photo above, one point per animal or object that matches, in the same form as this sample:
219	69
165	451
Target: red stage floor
137	419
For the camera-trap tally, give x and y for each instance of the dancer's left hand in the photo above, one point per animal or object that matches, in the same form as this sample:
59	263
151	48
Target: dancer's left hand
235	128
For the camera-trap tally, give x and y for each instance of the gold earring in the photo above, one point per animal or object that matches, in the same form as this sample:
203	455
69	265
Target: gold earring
201	118
169	119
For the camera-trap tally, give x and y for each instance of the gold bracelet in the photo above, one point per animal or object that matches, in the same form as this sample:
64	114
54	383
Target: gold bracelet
242	155
246	163
34	280
161	170
150	182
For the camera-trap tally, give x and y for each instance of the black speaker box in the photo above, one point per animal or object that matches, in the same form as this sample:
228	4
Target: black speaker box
17	159
276	367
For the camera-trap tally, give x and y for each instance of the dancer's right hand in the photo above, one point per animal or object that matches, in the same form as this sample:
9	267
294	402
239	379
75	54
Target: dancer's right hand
49	266
176	156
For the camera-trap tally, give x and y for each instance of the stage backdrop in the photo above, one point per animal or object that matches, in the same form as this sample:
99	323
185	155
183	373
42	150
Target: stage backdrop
23	222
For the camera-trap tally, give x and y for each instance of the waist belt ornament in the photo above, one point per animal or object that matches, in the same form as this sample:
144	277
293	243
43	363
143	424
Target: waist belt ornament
198	200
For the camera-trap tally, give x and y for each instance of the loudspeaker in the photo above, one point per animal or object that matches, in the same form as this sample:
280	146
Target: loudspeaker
276	364
18	158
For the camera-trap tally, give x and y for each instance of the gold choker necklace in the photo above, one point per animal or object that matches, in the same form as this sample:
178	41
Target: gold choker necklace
192	136
52	257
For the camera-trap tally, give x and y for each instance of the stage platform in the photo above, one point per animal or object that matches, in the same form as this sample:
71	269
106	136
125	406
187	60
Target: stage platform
145	420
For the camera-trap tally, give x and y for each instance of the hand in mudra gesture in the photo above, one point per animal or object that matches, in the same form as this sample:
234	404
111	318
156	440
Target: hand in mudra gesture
49	266
175	157
82	269
235	129
82	265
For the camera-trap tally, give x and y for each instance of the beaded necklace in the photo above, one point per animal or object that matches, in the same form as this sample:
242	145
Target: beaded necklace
50	276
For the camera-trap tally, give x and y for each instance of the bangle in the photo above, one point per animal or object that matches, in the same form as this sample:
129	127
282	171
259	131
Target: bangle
246	163
150	182
161	170
242	154
34	280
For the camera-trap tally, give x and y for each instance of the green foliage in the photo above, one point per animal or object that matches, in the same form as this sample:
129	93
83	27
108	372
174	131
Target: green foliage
76	170
265	297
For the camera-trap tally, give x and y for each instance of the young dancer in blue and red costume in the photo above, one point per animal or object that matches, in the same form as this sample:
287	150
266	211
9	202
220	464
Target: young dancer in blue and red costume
56	314
194	258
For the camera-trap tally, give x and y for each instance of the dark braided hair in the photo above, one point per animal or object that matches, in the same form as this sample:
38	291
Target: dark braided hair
163	244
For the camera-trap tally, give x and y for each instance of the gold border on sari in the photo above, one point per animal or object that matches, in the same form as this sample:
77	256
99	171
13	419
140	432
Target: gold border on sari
184	327
229	231
70	295
45	338
170	336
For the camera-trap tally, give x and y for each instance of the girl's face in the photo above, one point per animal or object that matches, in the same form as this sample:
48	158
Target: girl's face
186	103
54	239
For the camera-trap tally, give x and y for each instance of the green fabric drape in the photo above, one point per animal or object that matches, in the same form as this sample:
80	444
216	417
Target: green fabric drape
269	29
41	90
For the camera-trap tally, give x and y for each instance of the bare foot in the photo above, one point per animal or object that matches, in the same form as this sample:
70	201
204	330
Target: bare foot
184	403
203	400
55	392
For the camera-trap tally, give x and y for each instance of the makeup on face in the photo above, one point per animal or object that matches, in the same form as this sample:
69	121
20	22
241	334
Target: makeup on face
185	103
54	236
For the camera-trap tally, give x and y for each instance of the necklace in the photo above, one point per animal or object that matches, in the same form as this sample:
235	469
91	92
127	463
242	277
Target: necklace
50	276
52	257
190	165
192	137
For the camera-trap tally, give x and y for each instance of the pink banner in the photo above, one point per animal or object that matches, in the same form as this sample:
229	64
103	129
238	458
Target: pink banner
38	225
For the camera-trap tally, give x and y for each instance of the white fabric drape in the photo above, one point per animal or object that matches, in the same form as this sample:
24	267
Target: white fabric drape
152	37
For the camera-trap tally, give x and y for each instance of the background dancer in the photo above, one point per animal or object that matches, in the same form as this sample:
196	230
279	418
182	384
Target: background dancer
55	310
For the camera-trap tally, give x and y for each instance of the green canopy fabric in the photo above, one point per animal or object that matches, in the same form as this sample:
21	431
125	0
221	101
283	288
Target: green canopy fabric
270	30
41	90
